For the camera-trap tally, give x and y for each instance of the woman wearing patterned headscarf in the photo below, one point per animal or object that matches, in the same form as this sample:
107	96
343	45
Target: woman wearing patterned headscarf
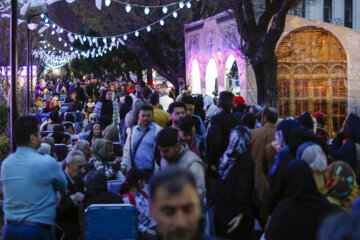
340	181
103	151
312	153
233	207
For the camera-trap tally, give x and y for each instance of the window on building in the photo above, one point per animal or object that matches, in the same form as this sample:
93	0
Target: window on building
348	13
327	10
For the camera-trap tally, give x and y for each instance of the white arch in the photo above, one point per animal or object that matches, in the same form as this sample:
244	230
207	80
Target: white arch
211	76
235	83
195	77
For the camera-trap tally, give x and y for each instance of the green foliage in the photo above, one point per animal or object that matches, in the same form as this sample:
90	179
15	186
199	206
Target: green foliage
4	117
4	147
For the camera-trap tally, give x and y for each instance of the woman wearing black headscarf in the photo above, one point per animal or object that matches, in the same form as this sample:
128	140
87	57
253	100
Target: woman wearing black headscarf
233	207
107	110
303	208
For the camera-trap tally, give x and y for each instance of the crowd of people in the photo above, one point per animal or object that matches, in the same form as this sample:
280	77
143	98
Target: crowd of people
195	167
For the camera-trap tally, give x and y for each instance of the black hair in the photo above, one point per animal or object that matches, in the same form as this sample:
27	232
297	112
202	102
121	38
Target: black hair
226	100
146	107
145	92
132	180
154	99
24	128
95	181
271	114
249	120
187	99
172	179
69	118
167	137
176	105
58	128
54	116
186	124
60	137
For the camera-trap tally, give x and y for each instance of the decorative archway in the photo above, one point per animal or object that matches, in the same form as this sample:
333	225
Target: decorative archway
211	78
231	77
195	77
312	75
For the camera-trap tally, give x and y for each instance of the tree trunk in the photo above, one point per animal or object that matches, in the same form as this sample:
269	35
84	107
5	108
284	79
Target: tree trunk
149	77
139	75
266	81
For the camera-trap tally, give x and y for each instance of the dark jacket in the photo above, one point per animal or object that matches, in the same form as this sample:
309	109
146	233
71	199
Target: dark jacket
67	211
230	202
303	208
101	197
217	142
348	152
218	136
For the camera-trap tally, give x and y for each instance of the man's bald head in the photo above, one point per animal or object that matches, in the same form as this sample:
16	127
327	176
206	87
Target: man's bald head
84	147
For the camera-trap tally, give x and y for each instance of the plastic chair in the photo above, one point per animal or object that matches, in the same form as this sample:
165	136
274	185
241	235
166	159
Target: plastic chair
84	135
111	221
77	128
113	186
61	151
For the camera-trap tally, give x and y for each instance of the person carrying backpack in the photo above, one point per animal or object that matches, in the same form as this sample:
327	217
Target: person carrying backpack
132	193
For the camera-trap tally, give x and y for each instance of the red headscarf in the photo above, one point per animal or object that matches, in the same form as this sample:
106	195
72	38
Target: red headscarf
239	100
48	106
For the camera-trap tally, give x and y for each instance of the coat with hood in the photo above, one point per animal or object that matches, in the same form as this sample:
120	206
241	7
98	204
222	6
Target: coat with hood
189	160
350	150
303	208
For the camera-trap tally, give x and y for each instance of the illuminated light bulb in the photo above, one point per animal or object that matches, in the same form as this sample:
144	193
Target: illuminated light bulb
46	20
61	30
48	45
175	14
84	39
188	4
147	10
65	44
42	15
104	40
125	37
105	52
71	48
136	34
181	5
59	39
76	37
94	40
41	35
148	28
164	9
113	39
53	32
54	25
107	2
128	8
162	22
53	48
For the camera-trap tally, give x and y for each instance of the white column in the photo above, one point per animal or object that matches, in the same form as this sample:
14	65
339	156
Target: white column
356	14
314	10
338	12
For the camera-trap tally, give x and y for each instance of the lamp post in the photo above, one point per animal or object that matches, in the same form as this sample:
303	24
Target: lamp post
14	69
29	59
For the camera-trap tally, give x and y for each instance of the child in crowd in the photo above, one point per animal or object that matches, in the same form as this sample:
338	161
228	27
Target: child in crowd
132	192
89	107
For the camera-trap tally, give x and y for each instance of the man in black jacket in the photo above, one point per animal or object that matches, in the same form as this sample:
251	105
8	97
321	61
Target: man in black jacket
67	211
218	140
